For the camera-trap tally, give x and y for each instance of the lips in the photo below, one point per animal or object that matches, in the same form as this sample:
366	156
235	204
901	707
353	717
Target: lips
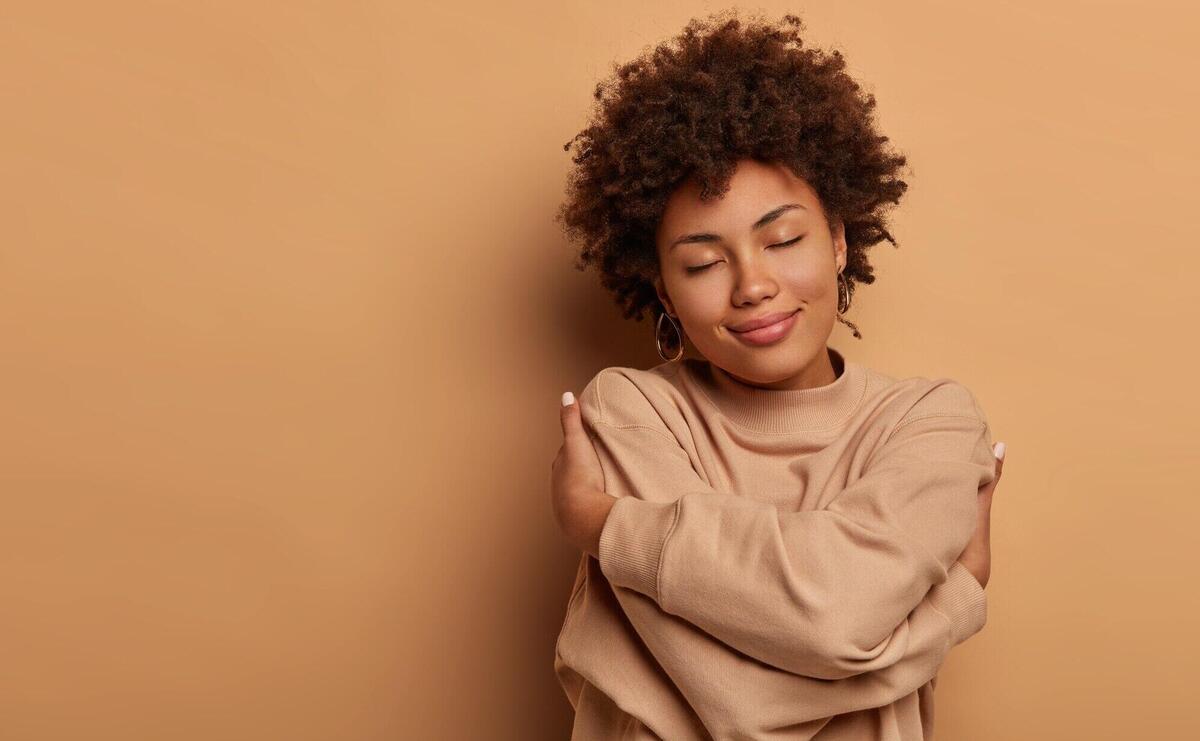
762	321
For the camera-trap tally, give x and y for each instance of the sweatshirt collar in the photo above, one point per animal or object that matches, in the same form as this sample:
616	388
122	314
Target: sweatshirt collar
769	410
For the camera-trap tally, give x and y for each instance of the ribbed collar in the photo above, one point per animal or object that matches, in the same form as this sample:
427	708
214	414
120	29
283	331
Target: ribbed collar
769	410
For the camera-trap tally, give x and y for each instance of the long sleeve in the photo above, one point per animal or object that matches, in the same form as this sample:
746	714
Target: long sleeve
866	583
733	695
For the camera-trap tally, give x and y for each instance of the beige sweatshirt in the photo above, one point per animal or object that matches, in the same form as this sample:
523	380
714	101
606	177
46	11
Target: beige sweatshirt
778	564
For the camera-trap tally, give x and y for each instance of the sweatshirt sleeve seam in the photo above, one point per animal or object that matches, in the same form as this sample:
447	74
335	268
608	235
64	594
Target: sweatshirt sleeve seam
947	618
907	422
958	610
602	418
662	553
951	626
665	436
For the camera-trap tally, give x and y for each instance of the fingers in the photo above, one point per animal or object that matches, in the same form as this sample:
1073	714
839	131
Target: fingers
568	410
985	491
571	417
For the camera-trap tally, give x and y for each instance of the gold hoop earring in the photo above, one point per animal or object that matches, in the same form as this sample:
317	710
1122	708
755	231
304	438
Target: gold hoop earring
844	292
658	337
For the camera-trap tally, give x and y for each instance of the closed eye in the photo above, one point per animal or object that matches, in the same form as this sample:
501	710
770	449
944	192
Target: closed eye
706	266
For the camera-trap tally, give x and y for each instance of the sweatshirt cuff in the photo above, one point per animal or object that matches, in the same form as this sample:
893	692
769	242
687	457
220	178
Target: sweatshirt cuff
963	601
631	542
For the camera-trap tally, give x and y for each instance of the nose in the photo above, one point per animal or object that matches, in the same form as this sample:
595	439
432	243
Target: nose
754	283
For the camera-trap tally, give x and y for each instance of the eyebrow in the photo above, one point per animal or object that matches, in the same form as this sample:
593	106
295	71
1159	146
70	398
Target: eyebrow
765	219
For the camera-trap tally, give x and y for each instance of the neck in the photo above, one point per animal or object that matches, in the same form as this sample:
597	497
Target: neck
824	370
827	398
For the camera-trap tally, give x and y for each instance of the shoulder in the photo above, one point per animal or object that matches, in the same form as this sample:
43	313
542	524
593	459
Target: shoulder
921	397
621	396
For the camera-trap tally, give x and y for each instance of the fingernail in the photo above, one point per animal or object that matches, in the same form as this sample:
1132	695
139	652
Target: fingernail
568	398
998	449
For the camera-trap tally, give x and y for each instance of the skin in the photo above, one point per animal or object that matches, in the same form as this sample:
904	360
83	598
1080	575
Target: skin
751	272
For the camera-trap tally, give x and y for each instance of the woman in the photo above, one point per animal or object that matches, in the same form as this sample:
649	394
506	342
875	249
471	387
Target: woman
778	542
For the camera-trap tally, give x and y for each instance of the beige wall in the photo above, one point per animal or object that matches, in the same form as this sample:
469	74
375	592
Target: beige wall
284	321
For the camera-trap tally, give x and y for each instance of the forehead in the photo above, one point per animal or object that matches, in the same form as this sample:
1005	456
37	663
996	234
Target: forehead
755	188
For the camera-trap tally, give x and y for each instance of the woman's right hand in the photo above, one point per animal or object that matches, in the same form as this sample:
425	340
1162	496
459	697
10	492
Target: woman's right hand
977	556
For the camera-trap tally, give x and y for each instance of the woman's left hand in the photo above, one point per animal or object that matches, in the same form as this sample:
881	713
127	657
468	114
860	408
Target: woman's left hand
577	483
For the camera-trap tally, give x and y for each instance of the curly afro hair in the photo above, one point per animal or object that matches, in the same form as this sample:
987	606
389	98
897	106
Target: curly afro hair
719	92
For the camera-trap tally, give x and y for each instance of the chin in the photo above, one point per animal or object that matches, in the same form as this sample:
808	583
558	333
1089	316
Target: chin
769	365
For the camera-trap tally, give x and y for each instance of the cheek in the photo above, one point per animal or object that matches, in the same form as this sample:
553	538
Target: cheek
808	283
700	304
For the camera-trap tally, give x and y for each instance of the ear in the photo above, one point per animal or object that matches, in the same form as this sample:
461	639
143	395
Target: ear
661	289
839	244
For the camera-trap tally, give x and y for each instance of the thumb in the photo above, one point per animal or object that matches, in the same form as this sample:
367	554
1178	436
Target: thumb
569	415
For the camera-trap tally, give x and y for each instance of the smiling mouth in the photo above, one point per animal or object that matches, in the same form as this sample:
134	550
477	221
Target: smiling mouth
782	318
769	334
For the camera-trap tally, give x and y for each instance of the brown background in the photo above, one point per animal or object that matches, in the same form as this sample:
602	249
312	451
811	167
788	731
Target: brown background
284	321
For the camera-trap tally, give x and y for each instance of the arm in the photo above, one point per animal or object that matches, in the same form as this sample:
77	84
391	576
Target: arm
826	593
733	691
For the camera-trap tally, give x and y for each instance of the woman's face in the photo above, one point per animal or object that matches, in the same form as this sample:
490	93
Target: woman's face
763	249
